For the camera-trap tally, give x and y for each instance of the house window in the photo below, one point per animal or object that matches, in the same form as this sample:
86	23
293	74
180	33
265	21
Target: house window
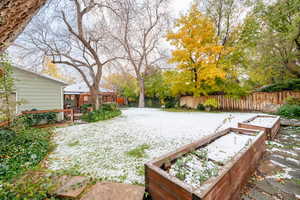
85	98
106	99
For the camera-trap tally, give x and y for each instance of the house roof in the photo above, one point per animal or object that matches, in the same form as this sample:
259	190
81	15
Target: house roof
81	87
40	75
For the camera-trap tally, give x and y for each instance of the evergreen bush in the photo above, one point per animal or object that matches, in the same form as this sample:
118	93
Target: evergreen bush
106	111
291	85
289	111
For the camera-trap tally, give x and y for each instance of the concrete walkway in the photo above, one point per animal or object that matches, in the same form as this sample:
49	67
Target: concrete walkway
278	175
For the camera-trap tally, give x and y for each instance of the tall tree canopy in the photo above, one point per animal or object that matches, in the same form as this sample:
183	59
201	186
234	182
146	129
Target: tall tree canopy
271	37
197	53
75	41
124	84
141	26
53	70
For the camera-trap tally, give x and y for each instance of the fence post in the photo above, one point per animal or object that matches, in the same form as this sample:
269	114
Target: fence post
72	115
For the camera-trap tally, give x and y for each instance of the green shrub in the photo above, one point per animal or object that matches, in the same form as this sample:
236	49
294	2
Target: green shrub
30	120
106	111
289	111
84	108
184	107
109	106
292	84
152	103
170	102
200	107
69	103
30	186
6	135
292	101
23	151
211	104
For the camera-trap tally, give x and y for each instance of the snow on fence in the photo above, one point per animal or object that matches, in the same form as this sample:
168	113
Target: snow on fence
258	101
214	167
267	123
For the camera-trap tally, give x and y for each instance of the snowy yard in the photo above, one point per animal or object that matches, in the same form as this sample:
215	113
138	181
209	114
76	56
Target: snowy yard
117	149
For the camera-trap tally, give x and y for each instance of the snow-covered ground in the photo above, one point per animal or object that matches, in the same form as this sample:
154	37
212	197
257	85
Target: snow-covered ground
99	149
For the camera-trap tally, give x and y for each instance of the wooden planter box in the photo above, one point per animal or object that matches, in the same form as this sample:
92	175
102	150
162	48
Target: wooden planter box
225	186
271	129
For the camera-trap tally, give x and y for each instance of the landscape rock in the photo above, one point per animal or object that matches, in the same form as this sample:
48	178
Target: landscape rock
113	191
279	172
266	187
268	168
255	194
71	187
271	108
290	122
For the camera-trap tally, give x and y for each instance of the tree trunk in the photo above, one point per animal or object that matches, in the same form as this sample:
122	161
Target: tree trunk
293	68
195	77
142	93
94	97
15	15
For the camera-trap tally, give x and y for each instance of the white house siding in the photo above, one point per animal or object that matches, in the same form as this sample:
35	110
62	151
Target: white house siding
37	92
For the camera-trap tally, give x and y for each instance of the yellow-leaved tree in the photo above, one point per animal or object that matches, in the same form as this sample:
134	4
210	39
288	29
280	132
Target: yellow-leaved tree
197	54
52	70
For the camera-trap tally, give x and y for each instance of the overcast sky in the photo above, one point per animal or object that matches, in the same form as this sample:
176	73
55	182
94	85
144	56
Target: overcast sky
177	8
180	6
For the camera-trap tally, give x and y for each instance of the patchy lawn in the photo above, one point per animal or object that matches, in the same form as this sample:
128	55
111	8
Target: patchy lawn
117	149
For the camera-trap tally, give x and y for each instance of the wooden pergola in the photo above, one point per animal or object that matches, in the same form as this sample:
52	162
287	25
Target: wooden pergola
14	16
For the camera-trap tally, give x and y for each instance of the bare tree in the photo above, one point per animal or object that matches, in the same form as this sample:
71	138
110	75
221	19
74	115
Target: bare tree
226	14
141	26
79	39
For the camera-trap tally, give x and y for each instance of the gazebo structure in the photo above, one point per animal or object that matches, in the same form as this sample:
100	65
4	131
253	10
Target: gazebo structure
78	94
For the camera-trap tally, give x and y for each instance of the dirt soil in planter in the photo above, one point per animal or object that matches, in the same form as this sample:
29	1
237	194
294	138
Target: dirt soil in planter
278	174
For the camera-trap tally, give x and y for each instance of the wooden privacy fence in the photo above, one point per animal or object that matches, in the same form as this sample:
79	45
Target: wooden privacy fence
258	101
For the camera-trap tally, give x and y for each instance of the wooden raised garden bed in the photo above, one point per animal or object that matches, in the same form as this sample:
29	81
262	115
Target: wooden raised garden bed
214	167
268	123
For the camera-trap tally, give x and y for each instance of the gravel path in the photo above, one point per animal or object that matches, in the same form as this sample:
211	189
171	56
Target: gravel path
100	149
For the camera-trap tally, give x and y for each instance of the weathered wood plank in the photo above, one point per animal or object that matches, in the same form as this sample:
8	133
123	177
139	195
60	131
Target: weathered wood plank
225	186
254	102
271	132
